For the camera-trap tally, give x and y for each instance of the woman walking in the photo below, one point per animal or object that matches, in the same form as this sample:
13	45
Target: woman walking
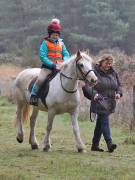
103	100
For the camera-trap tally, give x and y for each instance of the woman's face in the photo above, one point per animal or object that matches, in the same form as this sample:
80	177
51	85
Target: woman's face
55	36
106	64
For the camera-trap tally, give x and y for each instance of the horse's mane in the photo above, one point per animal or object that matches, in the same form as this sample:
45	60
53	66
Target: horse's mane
72	59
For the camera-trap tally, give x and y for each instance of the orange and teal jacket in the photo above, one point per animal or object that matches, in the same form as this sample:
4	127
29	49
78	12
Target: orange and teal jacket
52	52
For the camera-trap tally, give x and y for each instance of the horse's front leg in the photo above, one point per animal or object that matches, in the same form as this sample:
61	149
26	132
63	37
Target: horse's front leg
46	142
32	138
79	143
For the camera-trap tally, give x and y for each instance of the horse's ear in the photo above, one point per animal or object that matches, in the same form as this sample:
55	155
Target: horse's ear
87	51
78	55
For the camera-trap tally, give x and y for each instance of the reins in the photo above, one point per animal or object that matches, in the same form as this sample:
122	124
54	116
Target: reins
68	91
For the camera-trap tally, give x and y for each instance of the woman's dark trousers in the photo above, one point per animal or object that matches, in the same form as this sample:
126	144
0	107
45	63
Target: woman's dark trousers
102	127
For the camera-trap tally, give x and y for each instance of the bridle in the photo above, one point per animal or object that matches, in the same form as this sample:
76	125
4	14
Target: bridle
84	76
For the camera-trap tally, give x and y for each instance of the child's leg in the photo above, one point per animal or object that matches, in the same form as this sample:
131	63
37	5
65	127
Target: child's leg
40	80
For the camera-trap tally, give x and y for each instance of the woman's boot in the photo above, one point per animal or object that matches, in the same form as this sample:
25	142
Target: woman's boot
111	147
96	148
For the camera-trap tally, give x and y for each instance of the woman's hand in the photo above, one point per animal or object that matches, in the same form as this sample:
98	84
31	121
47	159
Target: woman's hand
117	96
58	67
82	84
96	97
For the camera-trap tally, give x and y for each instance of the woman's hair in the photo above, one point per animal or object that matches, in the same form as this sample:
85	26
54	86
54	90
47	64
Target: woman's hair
105	57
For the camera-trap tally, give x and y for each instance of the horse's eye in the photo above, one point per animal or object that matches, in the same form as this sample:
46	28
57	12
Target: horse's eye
81	65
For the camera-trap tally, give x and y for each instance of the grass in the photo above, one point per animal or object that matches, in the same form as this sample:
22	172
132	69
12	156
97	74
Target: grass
19	162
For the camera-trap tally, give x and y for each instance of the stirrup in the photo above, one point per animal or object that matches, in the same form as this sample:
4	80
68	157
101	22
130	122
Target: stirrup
34	100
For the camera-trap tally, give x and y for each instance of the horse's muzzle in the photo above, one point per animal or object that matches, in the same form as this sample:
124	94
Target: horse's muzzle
91	83
94	81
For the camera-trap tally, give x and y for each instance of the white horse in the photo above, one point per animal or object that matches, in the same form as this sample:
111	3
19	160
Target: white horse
63	96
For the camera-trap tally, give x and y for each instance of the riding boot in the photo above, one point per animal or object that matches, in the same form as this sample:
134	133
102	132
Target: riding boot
34	95
96	148
111	147
34	100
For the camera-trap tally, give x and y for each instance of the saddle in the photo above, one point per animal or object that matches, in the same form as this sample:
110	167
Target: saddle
44	89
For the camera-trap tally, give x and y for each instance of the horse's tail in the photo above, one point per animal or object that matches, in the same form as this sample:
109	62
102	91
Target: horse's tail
26	112
23	114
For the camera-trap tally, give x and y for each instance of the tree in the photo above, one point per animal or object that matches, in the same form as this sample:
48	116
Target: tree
93	24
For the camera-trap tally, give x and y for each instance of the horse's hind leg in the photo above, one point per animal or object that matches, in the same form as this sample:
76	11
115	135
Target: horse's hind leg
20	132
47	144
79	143
32	138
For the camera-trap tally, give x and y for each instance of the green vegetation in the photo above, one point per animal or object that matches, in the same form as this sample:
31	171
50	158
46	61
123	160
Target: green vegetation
93	24
19	162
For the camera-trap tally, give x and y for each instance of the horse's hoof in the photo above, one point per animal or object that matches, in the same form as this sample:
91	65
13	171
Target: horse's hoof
82	150
19	140
34	146
46	148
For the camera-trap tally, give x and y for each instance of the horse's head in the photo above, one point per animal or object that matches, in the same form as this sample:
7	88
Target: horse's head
84	68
